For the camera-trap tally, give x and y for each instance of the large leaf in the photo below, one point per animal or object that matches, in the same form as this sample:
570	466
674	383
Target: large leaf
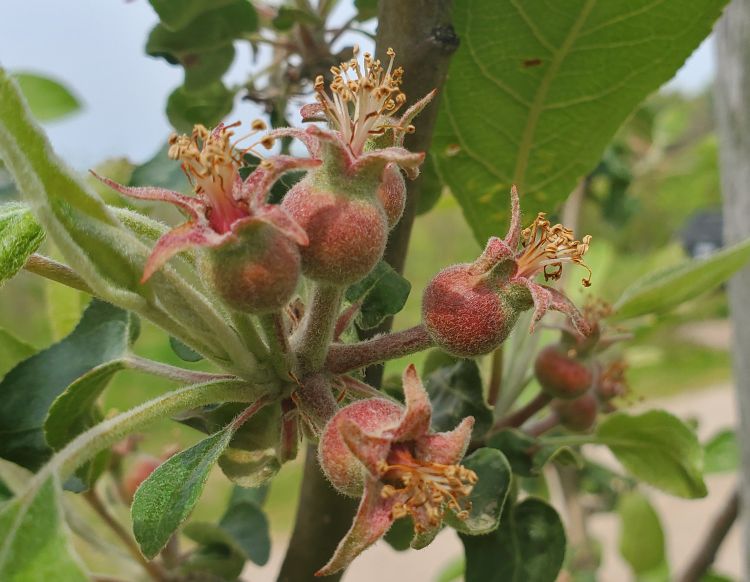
657	448
529	546
456	392
12	351
383	293
641	535
167	497
537	89
48	99
33	541
489	493
103	335
20	236
206	106
528	455
661	291
176	15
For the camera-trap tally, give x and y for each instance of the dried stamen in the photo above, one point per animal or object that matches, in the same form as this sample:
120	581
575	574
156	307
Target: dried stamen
425	489
546	247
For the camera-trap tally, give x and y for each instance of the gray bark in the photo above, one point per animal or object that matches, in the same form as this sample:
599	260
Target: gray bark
733	124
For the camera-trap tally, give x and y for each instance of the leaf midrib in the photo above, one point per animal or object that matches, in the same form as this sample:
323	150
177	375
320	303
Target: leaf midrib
537	106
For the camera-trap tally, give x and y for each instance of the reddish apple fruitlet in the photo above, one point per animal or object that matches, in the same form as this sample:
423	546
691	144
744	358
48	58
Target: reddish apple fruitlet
392	194
579	414
255	273
139	471
464	313
469	309
336	459
560	374
347	233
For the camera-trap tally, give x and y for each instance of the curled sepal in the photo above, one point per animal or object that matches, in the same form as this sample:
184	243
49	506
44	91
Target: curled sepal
404	123
446	448
546	298
373	519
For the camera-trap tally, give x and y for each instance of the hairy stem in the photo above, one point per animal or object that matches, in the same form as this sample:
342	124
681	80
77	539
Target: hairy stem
246	328
54	271
153	570
344	358
316	330
172	372
276	333
705	556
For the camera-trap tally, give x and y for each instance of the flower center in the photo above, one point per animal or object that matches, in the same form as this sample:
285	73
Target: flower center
546	247
211	163
363	99
425	489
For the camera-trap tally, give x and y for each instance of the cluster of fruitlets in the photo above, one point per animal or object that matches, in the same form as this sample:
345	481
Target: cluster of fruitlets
330	231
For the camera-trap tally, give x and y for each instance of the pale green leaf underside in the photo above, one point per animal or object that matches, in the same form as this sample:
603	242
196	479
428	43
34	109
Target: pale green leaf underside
538	88
658	292
20	236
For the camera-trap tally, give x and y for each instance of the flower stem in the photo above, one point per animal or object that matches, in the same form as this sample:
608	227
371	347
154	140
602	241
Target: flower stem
344	358
153	570
275	330
316	331
520	416
249	334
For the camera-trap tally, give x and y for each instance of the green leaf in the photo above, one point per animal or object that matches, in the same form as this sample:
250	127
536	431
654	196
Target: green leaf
103	335
641	535
184	352
208	67
528	546
488	495
721	453
528	456
431	188
535	93
160	171
33	540
207	106
20	237
383	293
168	496
453	572
65	306
664	290
400	534
214	29
214	561
48	99
456	392
176	15
288	17
657	448
243	530
12	351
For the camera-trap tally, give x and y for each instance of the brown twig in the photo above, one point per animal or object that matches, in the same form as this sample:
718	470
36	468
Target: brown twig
517	418
706	555
101	510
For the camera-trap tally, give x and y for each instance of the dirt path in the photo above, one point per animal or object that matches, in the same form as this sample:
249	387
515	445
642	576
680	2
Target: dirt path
685	521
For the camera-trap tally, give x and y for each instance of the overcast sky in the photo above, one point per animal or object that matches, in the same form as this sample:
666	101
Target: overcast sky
96	48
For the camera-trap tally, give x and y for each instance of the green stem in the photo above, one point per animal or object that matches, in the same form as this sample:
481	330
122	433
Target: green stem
316	331
86	445
276	333
249	333
172	372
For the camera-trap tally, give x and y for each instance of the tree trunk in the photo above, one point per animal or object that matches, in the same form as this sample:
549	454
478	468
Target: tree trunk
733	123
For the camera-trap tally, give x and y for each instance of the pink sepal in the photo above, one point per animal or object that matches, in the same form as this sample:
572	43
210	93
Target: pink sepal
445	448
372	521
415	421
370	450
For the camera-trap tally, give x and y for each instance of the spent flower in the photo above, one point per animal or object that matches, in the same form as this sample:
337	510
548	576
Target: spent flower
387	454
